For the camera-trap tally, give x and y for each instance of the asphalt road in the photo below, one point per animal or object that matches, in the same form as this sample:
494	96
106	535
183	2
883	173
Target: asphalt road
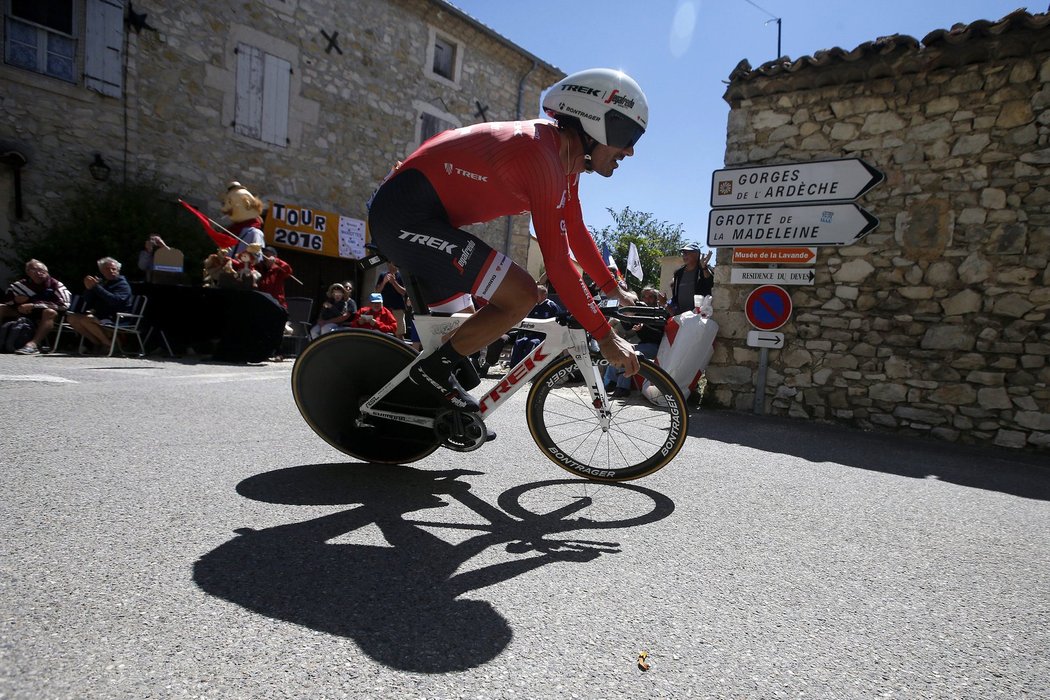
174	530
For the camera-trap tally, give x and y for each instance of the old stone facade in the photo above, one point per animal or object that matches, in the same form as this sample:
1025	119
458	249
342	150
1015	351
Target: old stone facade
936	323
356	89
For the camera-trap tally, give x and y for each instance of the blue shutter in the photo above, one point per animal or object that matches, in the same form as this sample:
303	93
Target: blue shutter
104	47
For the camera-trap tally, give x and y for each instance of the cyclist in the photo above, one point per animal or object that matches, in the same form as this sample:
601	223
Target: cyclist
481	172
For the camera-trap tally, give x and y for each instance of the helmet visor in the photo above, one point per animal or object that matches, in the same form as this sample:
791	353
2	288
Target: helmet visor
621	131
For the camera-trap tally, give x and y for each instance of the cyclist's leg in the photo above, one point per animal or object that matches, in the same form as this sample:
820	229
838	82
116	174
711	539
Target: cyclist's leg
411	227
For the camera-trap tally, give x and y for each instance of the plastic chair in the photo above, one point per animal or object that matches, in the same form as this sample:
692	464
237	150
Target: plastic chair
299	310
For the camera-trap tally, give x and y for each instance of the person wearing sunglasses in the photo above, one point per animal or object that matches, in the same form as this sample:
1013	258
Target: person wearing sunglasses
485	171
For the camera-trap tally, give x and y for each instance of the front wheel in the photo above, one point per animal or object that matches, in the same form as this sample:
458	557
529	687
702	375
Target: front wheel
636	436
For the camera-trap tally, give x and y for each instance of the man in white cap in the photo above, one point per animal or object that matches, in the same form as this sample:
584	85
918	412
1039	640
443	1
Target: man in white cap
692	278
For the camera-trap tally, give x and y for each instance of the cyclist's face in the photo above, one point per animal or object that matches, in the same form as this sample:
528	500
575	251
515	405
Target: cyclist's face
605	159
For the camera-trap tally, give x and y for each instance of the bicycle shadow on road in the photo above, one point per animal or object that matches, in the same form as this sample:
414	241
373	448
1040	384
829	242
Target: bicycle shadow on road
401	602
995	469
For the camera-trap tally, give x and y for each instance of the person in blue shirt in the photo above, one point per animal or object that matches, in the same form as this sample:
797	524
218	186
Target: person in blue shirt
104	297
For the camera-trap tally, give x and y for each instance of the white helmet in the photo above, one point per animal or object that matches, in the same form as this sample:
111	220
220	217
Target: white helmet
610	106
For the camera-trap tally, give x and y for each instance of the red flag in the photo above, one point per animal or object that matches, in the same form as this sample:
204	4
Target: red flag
223	240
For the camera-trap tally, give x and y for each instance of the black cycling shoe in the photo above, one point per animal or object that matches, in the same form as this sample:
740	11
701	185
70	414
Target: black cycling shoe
441	381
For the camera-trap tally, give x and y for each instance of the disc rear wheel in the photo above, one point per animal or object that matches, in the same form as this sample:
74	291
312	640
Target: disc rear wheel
340	370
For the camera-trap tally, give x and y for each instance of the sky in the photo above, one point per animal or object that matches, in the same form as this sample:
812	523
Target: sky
681	52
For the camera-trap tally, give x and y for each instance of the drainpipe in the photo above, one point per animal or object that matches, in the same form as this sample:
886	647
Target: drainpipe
521	98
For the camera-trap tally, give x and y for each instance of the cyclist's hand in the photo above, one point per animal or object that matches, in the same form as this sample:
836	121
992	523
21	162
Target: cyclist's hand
619	353
625	297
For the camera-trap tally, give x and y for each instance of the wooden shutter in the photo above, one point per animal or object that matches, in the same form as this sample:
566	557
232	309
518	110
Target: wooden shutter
104	47
276	81
263	84
248	110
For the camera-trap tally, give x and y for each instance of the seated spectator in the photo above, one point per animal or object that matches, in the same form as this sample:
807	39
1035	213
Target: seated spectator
152	244
375	316
335	311
646	340
525	341
38	296
272	274
104	298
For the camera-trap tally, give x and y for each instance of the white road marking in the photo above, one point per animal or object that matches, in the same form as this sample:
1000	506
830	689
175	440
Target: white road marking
49	378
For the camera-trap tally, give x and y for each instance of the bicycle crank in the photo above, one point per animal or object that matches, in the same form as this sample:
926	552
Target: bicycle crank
460	431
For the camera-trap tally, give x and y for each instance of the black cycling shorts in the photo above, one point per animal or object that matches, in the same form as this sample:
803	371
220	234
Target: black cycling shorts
410	226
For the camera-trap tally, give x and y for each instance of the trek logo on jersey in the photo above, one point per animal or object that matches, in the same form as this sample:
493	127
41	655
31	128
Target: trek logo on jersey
561	204
619	100
450	168
468	250
429	242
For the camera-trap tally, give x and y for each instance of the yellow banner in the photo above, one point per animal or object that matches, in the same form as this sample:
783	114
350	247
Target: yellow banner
313	231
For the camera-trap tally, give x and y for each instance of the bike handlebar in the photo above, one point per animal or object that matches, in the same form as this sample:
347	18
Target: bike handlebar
646	315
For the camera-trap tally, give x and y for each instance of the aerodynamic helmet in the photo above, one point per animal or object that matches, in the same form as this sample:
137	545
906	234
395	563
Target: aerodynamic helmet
608	103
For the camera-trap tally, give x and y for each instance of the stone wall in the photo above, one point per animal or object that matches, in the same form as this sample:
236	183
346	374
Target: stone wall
352	114
937	322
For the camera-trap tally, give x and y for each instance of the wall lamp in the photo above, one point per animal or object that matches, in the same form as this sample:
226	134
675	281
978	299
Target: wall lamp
99	169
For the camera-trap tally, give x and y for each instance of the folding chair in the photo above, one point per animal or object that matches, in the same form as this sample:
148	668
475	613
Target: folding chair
299	310
61	324
128	323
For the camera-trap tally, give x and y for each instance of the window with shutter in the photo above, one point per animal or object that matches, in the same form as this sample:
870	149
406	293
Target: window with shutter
444	57
41	37
263	82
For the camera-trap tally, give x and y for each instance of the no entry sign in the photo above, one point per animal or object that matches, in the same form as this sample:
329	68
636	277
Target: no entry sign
768	307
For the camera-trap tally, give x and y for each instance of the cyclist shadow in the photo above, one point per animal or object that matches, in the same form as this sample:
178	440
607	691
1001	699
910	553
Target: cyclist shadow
400	601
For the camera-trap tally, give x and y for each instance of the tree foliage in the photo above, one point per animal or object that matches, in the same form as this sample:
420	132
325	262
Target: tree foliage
654	240
114	221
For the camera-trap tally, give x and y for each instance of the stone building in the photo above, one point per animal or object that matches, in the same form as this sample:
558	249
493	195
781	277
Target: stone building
936	323
303	102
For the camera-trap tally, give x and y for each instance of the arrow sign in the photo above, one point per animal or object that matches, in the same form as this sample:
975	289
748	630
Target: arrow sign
758	275
793	183
765	339
811	225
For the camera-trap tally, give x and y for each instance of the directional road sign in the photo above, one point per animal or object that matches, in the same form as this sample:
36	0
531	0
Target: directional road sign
765	339
775	256
810	225
759	275
793	183
768	308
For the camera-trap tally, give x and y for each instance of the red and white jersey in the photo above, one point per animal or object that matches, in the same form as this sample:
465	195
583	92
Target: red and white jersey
486	171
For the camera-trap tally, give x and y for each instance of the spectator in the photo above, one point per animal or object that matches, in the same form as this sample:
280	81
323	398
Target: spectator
525	341
646	341
392	287
104	298
375	316
152	244
692	278
272	274
335	311
38	296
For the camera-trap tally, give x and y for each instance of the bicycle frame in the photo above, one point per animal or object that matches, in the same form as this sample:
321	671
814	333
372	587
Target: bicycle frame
559	337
